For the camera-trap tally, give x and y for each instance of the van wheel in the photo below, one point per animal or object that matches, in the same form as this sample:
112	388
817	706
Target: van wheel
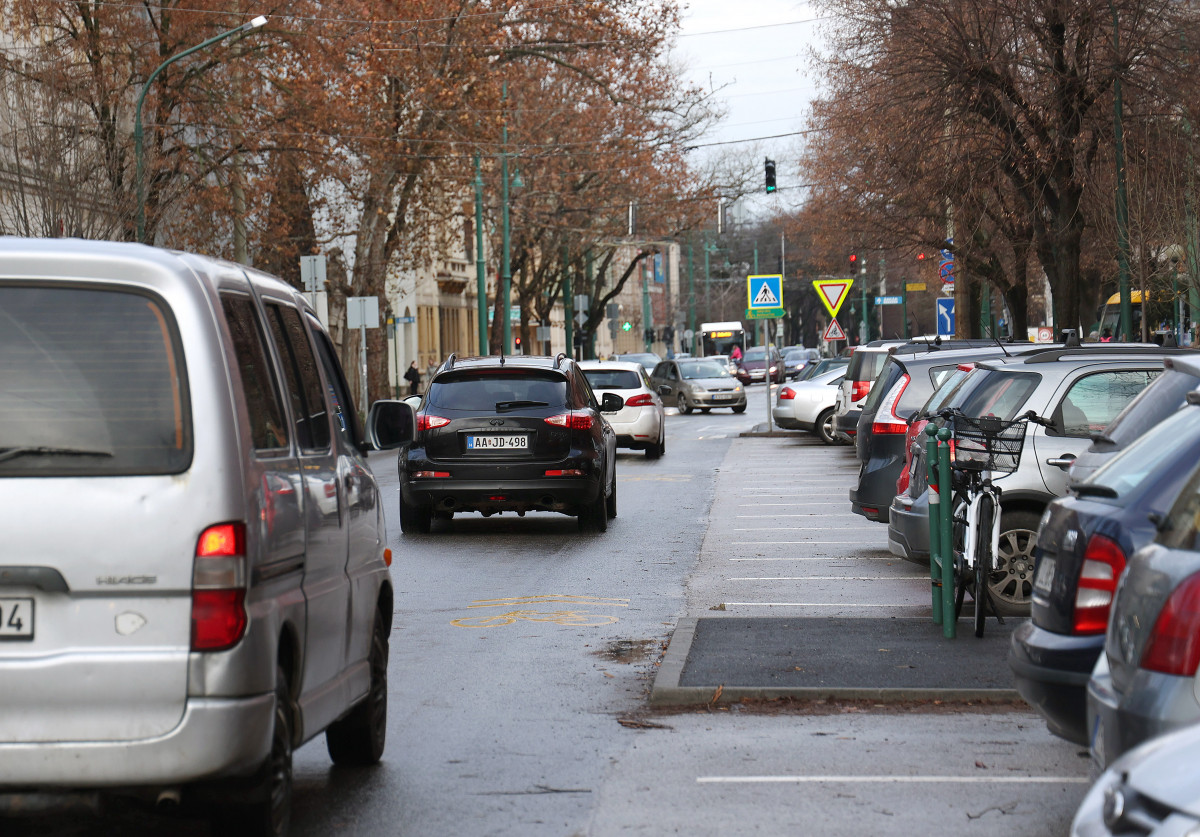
269	813
415	520
358	739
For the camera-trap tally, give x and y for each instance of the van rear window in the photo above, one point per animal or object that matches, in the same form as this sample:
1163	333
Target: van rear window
92	384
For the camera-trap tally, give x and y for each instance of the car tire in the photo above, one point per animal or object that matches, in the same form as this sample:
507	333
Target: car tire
594	516
610	504
824	427
358	739
657	449
740	408
269	811
1012	573
415	520
682	402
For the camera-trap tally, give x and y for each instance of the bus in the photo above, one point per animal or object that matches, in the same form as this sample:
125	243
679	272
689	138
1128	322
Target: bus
1164	308
720	338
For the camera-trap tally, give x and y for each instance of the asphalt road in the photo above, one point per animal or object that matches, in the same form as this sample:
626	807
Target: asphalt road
524	652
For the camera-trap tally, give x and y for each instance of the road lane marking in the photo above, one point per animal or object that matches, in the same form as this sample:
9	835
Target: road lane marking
824	604
558	617
776	516
546	599
829	503
790	529
898	780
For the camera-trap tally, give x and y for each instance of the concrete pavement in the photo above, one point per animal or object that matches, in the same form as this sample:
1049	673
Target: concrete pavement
796	596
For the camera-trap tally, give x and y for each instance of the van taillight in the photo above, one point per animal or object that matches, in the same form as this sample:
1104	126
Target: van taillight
1174	645
1103	561
219	588
859	390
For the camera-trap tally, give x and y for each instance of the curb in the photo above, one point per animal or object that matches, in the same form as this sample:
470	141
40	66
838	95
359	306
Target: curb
667	691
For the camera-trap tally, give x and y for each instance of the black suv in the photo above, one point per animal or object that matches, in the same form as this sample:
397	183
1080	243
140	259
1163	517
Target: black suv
515	433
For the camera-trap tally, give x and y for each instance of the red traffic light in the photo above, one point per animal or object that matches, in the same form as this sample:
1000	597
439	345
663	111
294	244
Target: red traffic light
853	257
920	257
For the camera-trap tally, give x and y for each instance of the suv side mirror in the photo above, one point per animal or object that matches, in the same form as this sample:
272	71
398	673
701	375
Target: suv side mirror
611	402
390	425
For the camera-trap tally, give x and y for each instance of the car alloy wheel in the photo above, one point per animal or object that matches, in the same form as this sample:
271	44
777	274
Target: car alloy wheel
825	427
1011	579
682	401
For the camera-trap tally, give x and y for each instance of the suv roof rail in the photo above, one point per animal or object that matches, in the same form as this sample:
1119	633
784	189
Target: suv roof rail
449	364
1105	349
559	358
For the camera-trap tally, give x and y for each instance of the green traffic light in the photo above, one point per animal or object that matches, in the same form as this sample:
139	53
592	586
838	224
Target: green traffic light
626	326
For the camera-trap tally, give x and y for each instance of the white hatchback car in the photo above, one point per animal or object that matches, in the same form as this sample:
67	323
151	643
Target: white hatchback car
640	424
810	405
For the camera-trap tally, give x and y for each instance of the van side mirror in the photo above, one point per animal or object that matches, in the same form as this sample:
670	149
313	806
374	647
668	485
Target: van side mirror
390	425
611	402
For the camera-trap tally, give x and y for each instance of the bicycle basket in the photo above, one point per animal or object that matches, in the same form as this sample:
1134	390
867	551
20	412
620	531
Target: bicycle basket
988	443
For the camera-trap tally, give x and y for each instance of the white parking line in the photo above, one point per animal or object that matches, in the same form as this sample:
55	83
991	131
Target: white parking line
789	528
823	515
818	557
823	604
831	578
899	780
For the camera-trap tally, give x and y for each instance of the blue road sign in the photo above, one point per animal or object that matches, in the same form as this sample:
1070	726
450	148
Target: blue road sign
945	317
889	300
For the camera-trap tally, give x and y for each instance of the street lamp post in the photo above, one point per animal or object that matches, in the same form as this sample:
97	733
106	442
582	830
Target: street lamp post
480	267
137	115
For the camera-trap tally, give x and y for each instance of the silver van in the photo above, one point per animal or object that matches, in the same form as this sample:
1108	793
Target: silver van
193	566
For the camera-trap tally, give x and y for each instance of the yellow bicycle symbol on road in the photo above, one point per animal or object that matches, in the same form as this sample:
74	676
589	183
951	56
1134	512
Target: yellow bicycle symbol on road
558	617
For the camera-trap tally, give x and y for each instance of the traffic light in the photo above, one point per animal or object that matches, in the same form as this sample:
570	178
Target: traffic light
517	343
770	174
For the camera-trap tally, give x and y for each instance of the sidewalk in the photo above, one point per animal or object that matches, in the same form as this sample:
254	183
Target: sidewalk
796	596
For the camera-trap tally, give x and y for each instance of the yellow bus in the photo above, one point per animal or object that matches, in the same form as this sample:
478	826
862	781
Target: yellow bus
1162	310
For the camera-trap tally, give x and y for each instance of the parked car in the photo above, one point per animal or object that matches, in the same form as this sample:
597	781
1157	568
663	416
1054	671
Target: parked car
1083	544
698	384
1167	394
754	363
510	434
1151	790
195	573
647	359
640	424
796	359
821	366
1145	683
906	382
808	405
1080	390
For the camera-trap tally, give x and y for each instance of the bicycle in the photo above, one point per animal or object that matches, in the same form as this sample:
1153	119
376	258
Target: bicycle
981	446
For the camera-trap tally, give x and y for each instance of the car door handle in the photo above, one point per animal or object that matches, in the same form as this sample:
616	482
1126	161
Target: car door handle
1064	461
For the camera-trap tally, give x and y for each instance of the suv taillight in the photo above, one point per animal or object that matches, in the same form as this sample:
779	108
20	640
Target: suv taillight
1174	645
859	390
787	394
1103	561
643	400
574	420
886	420
219	588
428	422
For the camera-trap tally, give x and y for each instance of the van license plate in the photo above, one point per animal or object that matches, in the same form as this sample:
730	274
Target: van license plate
16	618
497	441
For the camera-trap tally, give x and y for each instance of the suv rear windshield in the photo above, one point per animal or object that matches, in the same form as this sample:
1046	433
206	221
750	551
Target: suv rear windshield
92	384
491	390
999	393
613	378
1158	400
865	365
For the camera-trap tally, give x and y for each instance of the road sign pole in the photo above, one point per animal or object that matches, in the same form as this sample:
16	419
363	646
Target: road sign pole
568	305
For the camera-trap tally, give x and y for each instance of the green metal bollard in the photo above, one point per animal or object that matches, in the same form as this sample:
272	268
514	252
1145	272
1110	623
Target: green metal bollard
935	520
947	537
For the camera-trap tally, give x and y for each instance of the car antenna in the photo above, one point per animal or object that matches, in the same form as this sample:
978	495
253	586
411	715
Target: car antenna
1001	345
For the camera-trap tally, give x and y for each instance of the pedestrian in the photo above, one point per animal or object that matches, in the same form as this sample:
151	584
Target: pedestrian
1106	337
736	353
413	376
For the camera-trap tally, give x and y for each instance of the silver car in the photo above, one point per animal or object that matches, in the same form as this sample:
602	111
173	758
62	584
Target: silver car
1145	683
640	424
809	405
194	574
698	384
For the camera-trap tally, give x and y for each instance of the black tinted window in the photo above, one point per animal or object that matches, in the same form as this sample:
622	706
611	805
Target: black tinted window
483	391
91	382
268	430
612	378
345	419
300	371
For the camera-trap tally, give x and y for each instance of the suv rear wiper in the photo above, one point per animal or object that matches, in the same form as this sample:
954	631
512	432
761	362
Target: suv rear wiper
1095	490
14	452
514	405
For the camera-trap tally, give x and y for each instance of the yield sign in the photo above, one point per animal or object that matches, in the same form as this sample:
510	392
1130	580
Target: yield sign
833	293
833	332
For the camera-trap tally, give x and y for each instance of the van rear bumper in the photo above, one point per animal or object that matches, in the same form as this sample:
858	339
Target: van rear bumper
217	737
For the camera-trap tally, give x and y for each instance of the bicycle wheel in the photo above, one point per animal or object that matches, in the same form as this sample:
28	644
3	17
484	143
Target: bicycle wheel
983	561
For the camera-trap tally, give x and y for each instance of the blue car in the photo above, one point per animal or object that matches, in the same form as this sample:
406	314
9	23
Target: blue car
1084	542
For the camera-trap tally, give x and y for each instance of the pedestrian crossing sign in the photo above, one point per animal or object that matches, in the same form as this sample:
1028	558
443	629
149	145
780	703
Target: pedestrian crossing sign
764	296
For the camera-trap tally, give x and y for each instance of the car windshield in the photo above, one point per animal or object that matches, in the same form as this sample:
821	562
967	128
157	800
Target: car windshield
702	369
93	383
612	378
1145	457
755	354
796	354
488	391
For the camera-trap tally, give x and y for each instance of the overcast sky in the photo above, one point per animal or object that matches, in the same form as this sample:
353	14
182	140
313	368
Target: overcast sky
755	52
